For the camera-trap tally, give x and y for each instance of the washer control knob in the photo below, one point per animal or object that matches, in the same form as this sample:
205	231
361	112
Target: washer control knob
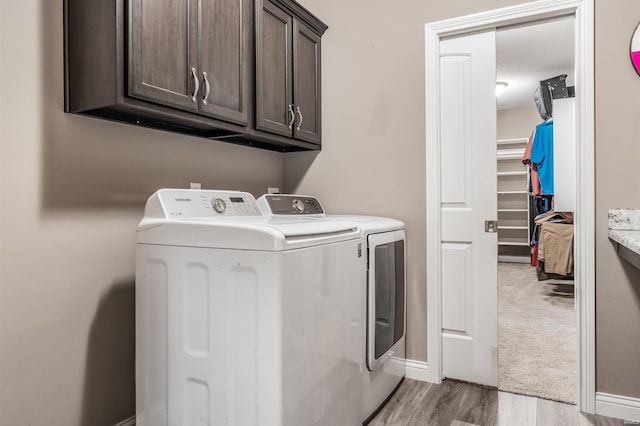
298	205
219	205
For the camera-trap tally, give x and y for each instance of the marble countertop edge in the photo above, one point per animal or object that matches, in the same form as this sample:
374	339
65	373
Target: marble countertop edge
624	219
628	239
624	229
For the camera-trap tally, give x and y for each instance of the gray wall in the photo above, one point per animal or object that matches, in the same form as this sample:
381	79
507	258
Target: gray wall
617	185
517	122
72	190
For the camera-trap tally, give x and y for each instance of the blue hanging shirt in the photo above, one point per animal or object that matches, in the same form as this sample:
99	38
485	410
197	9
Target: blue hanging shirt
542	155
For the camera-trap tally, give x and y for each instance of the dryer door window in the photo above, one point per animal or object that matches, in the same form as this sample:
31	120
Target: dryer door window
386	298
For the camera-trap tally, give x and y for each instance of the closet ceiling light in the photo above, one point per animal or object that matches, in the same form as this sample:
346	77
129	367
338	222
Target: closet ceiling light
500	86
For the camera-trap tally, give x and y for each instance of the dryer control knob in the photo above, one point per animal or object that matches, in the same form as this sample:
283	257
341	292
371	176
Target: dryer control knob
298	205
219	205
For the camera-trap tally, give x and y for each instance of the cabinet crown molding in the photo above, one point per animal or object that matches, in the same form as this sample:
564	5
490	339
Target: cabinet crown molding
307	17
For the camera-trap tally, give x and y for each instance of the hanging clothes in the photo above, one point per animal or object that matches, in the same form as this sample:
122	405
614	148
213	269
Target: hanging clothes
555	248
542	204
539	206
542	155
534	180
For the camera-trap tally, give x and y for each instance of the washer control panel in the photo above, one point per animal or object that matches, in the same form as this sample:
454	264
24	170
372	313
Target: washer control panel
196	203
285	204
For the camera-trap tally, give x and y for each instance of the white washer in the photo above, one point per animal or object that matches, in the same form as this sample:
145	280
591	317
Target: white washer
382	287
242	319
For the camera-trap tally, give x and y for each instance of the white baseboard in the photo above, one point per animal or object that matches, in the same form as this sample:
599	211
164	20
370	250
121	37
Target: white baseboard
131	421
417	370
621	407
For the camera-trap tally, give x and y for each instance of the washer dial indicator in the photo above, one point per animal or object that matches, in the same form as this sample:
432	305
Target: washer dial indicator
219	205
298	205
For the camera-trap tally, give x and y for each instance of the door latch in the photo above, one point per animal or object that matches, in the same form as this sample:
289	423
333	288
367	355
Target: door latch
490	226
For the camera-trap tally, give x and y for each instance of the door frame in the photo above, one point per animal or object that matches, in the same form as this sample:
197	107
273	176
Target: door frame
584	241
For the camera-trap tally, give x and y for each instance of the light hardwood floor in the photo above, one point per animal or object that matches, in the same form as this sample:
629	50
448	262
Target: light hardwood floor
454	403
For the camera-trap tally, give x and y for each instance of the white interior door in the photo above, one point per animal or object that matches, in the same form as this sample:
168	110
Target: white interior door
468	199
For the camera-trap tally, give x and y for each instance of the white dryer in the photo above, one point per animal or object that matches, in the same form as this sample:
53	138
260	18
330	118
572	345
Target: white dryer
243	319
385	347
382	289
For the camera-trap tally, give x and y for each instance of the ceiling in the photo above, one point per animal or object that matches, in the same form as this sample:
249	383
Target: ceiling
527	54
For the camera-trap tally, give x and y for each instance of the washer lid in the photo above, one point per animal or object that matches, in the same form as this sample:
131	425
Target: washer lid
189	218
245	234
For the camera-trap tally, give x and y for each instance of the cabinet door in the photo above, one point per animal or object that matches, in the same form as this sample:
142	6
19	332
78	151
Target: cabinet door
163	51
273	70
306	83
224	41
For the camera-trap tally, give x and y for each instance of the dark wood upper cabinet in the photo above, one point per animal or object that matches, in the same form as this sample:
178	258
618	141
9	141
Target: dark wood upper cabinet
288	98
161	60
191	54
198	67
274	84
226	56
306	83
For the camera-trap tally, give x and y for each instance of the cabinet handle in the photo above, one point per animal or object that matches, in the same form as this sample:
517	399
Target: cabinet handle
207	88
299	121
293	116
196	84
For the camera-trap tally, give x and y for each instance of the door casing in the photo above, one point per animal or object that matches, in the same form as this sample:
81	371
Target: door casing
584	241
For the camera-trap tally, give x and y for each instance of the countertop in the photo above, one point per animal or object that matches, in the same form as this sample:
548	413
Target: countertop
624	230
629	239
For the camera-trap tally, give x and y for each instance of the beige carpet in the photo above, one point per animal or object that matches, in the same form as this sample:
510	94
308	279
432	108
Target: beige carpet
536	334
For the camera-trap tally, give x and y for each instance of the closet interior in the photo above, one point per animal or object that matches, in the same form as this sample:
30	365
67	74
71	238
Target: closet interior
513	201
535	154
